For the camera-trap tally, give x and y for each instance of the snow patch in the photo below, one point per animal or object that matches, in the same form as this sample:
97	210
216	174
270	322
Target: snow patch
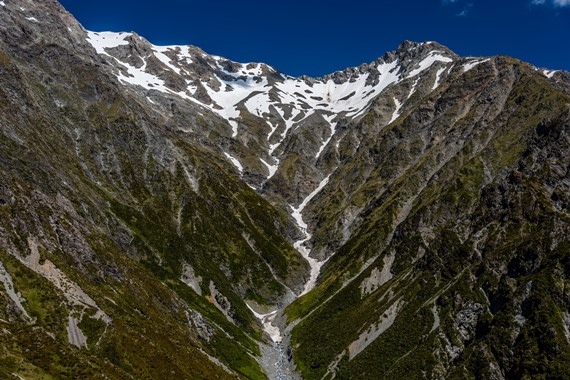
332	131
468	66
234	161
271	168
549	73
267	323
259	105
297	214
2	3
413	89
105	40
396	113
432	58
102	41
32	19
231	94
438	78
159	53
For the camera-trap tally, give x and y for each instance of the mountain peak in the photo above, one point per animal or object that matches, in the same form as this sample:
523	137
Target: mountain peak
227	87
163	208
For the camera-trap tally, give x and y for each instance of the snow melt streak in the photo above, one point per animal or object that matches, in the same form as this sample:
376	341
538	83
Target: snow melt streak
299	245
266	321
234	161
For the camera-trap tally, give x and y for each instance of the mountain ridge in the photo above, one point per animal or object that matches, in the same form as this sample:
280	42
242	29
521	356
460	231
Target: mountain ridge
172	214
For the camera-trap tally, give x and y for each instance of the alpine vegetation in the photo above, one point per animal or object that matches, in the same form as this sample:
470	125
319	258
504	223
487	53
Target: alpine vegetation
166	213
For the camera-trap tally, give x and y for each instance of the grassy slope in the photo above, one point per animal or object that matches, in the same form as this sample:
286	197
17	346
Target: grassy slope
131	220
435	258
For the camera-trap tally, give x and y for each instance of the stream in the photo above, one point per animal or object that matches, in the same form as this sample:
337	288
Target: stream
276	357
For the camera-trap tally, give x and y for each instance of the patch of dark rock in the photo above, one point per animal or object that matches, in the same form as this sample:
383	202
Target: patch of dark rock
370	93
349	96
316	98
524	264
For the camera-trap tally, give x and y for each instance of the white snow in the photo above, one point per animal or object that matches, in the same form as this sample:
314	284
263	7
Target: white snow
299	97
273	129
468	66
103	40
228	100
272	147
136	76
272	168
438	78
396	113
432	58
159	53
267	323
413	89
326	142
299	245
296	101
142	78
2	3
32	19
235	162
549	73
258	105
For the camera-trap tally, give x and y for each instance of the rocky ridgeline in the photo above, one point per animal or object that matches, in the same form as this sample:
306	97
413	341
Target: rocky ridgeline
420	201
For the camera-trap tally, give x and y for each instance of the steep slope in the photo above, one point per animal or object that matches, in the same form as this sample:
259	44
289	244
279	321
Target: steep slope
453	261
162	206
120	235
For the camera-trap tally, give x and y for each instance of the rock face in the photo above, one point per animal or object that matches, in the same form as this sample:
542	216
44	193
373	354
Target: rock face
420	201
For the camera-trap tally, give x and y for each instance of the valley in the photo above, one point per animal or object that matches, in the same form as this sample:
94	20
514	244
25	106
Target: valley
167	213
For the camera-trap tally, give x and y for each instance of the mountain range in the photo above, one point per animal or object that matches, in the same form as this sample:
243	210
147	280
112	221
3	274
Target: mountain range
167	213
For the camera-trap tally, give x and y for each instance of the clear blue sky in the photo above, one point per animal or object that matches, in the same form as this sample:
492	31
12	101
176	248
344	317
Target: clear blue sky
316	37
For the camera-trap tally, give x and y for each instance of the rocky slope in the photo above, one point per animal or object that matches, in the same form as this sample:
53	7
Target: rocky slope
172	214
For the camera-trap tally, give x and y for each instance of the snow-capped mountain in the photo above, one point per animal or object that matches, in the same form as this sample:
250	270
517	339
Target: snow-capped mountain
226	87
284	103
166	213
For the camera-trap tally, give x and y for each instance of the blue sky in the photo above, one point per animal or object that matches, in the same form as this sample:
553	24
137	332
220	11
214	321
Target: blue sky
316	37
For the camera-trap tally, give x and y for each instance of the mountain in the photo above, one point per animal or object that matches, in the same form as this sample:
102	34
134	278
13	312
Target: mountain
167	213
